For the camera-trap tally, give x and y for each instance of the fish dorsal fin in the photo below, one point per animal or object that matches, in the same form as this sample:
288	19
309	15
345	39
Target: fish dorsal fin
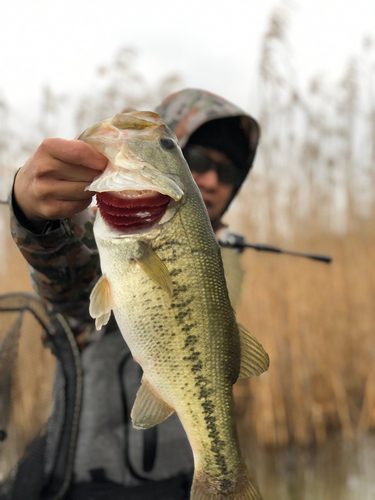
89	131
154	267
149	116
254	359
96	143
149	409
101	302
130	122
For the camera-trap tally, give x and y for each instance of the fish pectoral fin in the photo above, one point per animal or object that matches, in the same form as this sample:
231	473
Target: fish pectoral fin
101	302
154	267
149	409
254	359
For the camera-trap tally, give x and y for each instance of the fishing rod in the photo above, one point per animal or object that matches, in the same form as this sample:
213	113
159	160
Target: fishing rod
237	242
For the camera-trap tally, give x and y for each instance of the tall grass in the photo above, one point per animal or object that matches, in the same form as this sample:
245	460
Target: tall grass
317	323
312	190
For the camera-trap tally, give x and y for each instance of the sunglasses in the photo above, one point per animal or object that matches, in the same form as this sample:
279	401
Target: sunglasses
201	163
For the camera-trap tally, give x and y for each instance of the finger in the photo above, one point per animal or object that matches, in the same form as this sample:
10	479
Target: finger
74	152
63	209
60	170
52	189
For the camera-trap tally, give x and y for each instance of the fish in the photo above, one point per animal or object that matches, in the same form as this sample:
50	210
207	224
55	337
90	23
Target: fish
163	278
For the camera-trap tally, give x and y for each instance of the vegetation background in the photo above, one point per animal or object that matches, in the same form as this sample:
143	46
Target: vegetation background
307	425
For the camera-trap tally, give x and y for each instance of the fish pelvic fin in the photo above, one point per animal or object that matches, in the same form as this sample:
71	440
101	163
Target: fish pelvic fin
239	488
154	267
254	359
149	409
101	302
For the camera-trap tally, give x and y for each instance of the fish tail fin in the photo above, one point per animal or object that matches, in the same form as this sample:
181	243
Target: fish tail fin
240	489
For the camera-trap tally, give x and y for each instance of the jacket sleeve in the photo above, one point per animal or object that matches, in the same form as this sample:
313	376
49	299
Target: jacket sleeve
63	262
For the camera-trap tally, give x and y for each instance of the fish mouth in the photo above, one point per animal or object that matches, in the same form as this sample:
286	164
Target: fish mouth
131	210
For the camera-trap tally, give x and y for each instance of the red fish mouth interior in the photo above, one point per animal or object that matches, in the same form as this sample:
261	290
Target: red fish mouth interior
130	210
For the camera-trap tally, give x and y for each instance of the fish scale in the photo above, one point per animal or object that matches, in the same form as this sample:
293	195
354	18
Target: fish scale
165	284
145	330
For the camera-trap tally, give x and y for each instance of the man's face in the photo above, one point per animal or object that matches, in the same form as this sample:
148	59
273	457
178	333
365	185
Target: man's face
215	193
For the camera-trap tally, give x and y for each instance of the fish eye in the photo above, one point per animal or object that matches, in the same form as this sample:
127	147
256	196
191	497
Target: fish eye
167	144
3	435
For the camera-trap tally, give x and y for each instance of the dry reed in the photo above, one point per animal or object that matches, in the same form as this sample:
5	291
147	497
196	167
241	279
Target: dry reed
313	189
317	322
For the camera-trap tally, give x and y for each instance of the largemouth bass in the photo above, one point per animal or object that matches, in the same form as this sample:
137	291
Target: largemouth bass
163	278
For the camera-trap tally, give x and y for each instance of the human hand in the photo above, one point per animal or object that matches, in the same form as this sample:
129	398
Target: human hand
51	184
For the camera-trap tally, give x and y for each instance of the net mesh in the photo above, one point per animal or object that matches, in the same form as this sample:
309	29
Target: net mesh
26	387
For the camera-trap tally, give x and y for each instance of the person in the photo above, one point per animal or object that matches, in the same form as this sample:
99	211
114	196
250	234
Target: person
52	224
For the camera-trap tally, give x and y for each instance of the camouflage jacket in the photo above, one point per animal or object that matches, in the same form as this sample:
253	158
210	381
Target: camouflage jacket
64	266
63	258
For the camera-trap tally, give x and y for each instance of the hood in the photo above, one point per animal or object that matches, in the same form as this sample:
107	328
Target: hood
187	110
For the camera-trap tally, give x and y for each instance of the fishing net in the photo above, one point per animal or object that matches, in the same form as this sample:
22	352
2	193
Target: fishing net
28	453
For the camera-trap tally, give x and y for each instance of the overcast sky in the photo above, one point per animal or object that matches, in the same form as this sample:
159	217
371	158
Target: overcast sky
213	44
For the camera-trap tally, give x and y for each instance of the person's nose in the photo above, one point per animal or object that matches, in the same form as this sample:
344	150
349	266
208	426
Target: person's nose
207	180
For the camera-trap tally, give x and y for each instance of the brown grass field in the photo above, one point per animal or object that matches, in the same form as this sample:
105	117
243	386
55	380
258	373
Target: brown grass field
317	323
307	425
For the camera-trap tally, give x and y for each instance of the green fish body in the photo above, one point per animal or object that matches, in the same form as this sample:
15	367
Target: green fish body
162	276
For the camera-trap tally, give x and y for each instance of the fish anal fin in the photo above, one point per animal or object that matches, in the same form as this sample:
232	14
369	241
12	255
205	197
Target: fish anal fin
149	409
254	359
154	267
101	302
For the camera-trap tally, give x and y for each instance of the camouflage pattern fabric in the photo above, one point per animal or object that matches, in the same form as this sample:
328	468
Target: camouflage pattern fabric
64	261
185	111
64	267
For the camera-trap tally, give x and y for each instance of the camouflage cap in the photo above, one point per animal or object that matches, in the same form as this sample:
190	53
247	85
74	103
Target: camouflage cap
187	110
